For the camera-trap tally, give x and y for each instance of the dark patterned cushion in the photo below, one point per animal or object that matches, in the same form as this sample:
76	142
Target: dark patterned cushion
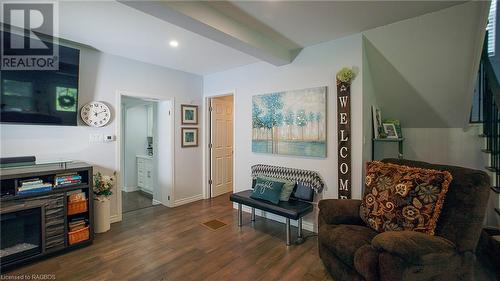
403	198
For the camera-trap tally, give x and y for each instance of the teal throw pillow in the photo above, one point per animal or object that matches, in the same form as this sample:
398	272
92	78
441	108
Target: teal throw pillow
267	190
287	187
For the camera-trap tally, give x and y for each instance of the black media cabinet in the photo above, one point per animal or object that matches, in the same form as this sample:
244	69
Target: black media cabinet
35	225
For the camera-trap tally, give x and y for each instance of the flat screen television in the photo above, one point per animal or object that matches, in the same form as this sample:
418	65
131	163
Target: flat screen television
45	97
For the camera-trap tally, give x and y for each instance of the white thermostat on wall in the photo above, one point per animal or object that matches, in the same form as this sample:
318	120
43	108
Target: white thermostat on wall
109	138
95	114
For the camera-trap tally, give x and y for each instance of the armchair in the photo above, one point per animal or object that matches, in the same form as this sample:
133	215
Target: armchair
351	250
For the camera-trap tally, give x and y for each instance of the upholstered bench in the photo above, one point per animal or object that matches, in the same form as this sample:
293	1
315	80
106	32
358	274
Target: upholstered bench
307	183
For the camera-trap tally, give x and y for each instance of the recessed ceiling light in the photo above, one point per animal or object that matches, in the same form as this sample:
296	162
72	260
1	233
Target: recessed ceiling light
174	43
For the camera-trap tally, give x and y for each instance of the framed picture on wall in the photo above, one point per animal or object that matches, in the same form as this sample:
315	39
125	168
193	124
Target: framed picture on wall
189	114
189	137
290	122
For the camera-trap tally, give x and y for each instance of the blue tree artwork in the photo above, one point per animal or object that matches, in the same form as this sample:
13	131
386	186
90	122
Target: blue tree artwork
290	123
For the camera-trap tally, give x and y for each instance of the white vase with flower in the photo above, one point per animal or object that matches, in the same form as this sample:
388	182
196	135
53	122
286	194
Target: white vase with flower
103	186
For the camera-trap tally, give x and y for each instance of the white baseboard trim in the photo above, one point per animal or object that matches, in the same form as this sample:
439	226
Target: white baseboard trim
156	202
305	224
130	188
187	200
114	218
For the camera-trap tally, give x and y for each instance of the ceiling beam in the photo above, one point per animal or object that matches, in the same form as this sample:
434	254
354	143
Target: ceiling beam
202	19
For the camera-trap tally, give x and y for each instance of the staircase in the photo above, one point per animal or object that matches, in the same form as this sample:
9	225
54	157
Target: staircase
486	112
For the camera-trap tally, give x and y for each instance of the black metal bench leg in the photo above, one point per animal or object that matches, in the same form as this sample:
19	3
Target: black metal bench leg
288	233
300	239
240	215
253	214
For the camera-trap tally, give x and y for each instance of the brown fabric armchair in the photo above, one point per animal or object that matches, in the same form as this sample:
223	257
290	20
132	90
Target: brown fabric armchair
351	250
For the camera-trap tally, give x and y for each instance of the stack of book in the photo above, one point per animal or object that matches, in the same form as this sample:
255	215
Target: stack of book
33	186
77	224
67	179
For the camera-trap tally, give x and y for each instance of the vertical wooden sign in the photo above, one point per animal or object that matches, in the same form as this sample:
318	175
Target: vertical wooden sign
344	138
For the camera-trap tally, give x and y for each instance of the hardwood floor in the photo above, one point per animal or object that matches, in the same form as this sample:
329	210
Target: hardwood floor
159	243
135	200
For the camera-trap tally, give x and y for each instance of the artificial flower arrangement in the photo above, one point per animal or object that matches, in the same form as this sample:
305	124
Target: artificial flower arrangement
346	75
103	186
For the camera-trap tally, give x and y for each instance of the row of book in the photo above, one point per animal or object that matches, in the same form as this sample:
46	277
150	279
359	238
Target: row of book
36	185
77	223
33	186
67	179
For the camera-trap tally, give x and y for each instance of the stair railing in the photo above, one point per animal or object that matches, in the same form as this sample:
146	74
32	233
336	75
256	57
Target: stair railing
488	93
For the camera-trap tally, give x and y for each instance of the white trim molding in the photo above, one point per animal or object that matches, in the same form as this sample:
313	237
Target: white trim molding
115	218
130	189
187	200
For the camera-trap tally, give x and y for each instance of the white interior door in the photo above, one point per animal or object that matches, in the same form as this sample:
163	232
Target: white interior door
163	154
222	145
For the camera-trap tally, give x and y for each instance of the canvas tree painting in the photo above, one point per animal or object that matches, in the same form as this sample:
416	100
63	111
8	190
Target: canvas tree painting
290	123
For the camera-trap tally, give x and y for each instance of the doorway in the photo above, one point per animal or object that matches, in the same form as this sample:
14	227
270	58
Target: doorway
146	154
221	116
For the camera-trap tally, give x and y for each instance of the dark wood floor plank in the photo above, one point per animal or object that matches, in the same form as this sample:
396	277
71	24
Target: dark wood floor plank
160	243
135	200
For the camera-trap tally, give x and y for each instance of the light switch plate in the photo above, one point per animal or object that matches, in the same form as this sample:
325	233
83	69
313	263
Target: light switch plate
96	138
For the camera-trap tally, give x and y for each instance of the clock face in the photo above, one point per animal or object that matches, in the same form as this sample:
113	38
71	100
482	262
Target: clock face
95	114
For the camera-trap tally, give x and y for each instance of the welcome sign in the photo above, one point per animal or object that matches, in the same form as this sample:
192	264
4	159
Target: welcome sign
344	78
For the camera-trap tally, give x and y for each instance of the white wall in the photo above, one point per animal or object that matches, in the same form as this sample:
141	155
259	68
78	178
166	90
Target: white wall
449	146
101	76
135	143
424	68
369	100
315	66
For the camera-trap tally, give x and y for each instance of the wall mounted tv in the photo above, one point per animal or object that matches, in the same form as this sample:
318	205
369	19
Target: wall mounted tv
44	97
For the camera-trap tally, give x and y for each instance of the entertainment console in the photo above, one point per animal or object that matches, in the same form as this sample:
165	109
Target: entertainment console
45	209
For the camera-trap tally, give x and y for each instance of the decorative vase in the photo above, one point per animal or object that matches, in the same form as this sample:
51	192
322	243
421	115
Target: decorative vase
101	214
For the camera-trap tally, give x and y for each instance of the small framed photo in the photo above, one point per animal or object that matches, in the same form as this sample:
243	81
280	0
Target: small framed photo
189	137
189	114
390	130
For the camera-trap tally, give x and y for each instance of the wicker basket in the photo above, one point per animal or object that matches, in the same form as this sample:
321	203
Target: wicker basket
78	235
77	207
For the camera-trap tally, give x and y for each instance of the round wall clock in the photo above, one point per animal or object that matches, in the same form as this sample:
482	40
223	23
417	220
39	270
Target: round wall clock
95	114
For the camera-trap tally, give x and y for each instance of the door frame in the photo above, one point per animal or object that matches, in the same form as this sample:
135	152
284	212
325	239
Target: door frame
120	146
207	152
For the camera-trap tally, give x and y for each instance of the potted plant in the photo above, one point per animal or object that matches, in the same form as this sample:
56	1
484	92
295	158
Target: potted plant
102	191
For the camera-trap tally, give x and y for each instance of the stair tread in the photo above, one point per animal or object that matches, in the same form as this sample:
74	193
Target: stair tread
485	135
491	169
497	210
496	189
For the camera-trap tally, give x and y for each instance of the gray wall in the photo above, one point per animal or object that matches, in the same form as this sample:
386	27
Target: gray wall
315	66
101	76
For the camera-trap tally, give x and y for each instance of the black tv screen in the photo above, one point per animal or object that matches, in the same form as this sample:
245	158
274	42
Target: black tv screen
48	97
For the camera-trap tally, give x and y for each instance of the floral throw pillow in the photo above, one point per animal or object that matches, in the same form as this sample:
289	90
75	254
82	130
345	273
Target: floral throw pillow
403	198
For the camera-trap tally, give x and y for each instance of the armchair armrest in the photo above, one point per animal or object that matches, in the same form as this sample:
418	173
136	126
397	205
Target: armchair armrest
340	211
413	246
